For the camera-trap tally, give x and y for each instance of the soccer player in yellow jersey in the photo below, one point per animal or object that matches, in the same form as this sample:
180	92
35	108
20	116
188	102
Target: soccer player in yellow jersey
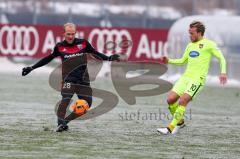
197	55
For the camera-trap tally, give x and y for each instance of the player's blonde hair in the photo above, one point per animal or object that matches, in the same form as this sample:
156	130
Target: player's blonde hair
199	25
69	24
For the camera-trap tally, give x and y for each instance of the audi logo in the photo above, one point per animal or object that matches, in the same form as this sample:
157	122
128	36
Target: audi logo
110	41
20	40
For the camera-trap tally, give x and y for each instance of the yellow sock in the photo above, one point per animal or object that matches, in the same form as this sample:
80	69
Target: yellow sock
173	107
178	115
170	127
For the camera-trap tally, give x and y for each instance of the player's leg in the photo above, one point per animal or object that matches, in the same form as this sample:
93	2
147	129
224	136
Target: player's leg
173	105
193	88
179	113
175	93
67	93
83	92
172	100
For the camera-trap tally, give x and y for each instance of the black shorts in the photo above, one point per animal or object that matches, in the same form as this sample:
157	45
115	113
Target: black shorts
83	91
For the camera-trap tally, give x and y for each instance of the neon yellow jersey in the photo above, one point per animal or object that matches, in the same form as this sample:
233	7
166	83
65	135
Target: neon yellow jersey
198	56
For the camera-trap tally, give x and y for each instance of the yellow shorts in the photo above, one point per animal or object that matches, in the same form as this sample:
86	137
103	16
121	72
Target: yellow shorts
188	85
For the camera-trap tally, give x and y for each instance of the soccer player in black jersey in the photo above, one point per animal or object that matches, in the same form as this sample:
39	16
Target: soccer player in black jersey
73	53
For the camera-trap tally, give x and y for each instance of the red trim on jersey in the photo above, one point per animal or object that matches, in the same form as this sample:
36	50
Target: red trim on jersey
72	49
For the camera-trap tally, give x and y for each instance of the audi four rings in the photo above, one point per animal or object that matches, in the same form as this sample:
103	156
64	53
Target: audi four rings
115	36
23	40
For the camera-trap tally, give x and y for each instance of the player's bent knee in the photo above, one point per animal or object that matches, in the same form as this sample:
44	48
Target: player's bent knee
171	100
172	97
184	101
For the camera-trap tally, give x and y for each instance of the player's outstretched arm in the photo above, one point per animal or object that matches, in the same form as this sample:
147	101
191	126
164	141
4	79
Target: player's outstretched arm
101	56
179	61
42	62
115	57
166	60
